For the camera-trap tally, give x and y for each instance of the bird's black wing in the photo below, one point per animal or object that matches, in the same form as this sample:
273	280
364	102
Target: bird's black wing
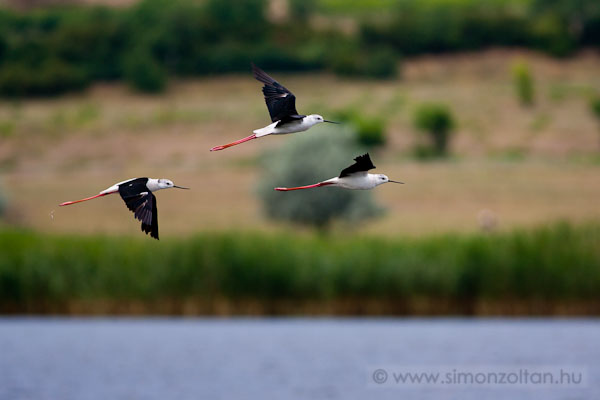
280	101
143	206
362	164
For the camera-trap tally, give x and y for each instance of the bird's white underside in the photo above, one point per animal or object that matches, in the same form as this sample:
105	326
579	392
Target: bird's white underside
290	127
152	185
358	181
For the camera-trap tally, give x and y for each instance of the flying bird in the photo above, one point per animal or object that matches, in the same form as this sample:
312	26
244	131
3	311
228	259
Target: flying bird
353	177
137	195
282	109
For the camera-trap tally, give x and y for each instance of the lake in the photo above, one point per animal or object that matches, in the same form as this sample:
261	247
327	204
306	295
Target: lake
297	358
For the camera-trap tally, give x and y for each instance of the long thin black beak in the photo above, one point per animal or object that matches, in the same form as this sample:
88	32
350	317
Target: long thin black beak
389	180
331	122
180	187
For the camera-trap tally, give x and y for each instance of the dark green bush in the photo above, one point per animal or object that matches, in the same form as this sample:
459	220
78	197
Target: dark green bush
144	73
301	10
595	106
188	37
566	24
370	130
423	26
437	122
3	202
348	60
51	77
91	40
550	34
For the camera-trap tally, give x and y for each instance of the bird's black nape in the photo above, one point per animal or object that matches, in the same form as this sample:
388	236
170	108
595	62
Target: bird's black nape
362	164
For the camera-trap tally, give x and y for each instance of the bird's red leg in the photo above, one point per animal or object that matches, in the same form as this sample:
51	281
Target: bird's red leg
282	189
253	136
66	203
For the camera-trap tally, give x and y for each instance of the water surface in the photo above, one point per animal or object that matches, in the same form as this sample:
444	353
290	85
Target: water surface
80	359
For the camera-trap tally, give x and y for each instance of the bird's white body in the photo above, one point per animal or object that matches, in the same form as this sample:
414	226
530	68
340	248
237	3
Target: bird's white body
137	195
289	127
153	185
360	181
354	177
115	188
281	104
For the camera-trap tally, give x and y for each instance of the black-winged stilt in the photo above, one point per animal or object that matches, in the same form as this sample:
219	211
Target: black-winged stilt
282	108
353	177
138	196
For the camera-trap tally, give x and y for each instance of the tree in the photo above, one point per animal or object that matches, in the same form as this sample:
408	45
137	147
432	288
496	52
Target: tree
143	72
306	158
435	120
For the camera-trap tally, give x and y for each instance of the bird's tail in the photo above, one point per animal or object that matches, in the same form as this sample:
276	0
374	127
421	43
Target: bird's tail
222	147
267	130
283	189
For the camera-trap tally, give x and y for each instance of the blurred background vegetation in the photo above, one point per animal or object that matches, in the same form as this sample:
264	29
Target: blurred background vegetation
489	110
548	271
45	51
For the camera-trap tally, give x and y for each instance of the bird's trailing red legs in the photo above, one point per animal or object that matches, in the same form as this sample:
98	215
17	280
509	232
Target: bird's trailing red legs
67	203
283	189
282	109
216	148
137	195
353	177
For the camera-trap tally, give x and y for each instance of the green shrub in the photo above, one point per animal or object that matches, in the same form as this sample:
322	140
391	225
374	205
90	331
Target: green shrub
552	35
301	10
523	82
306	159
3	203
51	77
370	130
595	106
436	121
236	20
564	25
144	73
348	60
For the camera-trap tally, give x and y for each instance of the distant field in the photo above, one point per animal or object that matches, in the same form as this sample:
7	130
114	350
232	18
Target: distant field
527	166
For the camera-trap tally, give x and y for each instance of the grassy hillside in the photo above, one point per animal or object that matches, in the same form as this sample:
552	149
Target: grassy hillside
528	166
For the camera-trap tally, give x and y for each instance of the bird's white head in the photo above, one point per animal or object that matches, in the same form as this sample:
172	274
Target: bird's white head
314	119
381	178
167	184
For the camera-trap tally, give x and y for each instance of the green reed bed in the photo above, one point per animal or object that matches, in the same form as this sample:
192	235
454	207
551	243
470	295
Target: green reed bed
40	272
